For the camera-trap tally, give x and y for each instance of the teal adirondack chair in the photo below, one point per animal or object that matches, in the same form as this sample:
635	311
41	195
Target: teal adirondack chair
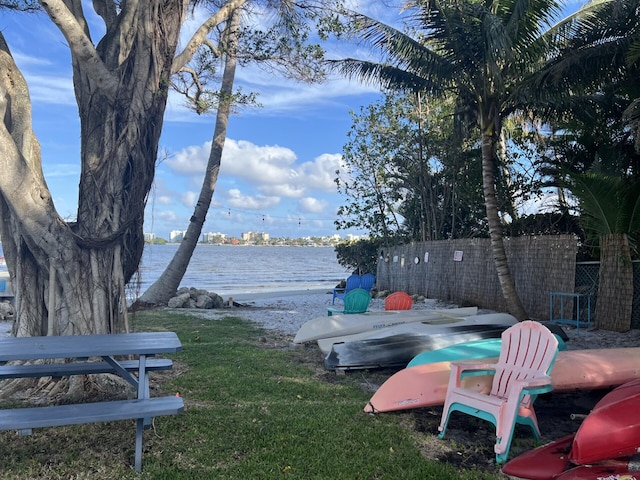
355	301
353	281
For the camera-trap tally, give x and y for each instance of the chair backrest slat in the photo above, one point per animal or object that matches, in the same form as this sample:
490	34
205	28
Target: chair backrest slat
528	349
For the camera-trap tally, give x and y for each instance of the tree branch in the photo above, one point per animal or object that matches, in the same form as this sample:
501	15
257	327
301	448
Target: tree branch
201	33
81	46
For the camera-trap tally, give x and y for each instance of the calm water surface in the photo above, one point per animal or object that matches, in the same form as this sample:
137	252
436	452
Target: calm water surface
232	270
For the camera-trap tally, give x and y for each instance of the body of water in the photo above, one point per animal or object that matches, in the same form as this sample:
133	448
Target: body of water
235	270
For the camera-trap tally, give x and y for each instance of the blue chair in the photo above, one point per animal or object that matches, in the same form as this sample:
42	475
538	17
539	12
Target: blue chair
353	282
367	281
355	301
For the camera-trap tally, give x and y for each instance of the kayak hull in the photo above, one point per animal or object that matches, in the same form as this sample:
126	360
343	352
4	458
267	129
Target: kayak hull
604	447
439	326
426	385
342	324
398	350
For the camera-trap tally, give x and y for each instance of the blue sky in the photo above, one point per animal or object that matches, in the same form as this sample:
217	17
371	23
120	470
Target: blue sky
279	162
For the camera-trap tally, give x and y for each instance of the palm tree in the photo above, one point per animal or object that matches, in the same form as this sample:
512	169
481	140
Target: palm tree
610	211
480	52
598	61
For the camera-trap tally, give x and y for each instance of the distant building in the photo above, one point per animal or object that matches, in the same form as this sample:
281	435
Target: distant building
255	237
149	237
176	236
214	237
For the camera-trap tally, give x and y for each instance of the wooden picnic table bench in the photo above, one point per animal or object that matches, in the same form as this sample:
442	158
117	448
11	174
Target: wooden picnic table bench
77	350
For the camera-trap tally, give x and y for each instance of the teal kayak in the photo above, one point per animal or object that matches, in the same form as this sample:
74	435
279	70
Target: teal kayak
485	348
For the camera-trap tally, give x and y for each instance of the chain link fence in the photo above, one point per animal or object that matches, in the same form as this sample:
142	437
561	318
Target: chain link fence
587	283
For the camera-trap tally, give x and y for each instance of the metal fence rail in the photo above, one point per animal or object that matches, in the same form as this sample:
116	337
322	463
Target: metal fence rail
587	282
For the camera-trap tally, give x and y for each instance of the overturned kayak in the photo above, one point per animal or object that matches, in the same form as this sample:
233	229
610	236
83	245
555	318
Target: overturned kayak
397	349
477	349
348	324
437	326
604	447
426	385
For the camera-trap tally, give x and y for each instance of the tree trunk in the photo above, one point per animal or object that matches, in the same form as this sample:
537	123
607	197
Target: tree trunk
615	284
514	305
166	285
121	91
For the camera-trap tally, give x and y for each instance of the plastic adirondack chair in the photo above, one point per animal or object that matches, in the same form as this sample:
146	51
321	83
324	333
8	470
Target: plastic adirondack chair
398	301
367	281
355	301
353	281
526	357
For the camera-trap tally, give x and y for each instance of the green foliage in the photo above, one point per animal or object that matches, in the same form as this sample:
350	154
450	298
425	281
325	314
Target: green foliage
360	256
281	46
609	204
406	174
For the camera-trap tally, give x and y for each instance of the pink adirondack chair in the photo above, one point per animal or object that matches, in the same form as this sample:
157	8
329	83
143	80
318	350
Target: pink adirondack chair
527	355
398	301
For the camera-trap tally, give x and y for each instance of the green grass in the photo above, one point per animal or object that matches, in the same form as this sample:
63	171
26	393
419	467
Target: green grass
255	409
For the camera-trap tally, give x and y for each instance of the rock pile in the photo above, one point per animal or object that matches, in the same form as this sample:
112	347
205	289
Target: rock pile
196	298
7	312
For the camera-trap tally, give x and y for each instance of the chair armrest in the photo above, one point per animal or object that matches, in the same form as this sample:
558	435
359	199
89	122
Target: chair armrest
534	385
339	290
467	369
473	366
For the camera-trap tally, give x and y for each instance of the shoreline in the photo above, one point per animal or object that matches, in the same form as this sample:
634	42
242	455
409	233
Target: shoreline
286	313
287	310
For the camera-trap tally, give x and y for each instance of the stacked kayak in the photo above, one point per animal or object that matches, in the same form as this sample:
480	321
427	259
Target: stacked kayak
396	346
425	385
604	447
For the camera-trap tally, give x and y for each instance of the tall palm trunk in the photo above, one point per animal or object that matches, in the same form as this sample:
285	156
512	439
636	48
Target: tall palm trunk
514	305
166	285
615	288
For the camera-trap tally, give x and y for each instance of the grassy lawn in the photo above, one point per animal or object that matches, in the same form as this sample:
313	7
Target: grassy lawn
255	409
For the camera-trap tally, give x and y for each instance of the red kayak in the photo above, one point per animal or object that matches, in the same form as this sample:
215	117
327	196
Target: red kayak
551	462
612	429
603	448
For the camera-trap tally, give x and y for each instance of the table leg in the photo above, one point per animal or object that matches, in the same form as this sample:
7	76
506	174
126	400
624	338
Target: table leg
139	431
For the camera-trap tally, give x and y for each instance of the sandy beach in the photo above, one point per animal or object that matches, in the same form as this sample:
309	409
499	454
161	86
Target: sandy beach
287	311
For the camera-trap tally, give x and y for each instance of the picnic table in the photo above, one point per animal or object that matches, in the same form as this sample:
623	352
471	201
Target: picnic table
91	354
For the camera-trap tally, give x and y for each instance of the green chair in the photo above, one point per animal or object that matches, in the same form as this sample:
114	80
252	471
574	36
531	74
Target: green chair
355	301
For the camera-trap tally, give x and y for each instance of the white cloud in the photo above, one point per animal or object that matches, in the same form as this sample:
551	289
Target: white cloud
312	205
236	199
188	199
190	160
269	164
288	191
168	216
321	173
271	168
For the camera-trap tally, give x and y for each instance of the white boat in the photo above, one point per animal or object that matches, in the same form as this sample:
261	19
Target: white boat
420	328
341	324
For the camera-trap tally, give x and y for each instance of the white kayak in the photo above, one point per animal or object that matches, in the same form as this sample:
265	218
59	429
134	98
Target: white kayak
420	328
348	324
